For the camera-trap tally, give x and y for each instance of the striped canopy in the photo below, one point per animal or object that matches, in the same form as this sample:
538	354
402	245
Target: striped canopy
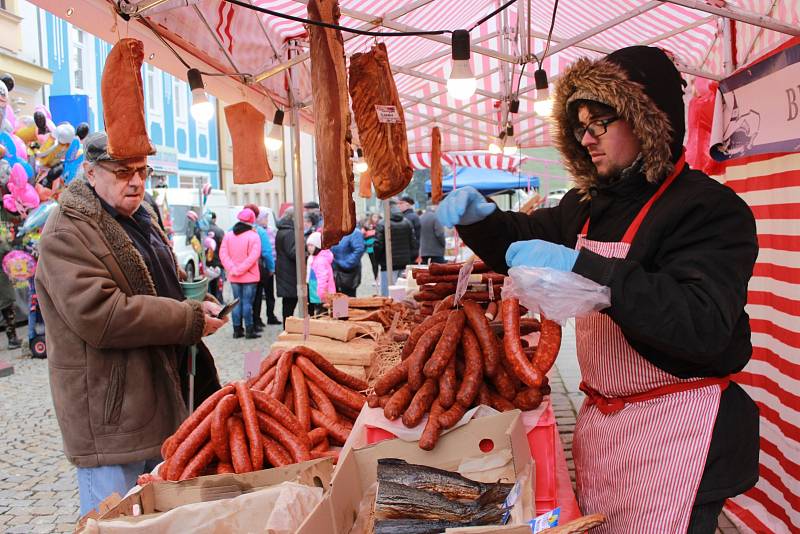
216	35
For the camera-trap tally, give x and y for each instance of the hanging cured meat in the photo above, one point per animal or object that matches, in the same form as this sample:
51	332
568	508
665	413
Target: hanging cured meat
331	123
384	143
436	165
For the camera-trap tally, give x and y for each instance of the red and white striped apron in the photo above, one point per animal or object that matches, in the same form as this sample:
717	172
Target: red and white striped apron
642	435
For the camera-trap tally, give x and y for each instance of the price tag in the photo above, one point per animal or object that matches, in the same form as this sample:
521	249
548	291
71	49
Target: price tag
252	361
463	279
341	307
491	290
387	114
306	326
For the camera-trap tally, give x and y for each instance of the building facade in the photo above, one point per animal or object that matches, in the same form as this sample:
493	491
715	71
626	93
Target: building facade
187	150
21	56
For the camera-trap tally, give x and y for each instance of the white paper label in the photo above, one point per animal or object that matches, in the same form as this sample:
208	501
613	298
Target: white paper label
341	307
387	114
491	290
463	279
252	361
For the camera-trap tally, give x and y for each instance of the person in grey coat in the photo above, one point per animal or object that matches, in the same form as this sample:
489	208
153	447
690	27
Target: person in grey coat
431	242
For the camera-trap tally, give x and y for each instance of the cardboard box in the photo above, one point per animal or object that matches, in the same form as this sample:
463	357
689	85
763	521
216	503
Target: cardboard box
163	496
499	438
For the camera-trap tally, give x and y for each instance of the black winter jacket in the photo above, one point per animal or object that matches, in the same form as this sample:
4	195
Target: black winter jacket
285	270
404	243
678	296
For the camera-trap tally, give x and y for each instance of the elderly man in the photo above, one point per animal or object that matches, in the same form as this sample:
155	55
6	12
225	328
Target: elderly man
118	326
665	435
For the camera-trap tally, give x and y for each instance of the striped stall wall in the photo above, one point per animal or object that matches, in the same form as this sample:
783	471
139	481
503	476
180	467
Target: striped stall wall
772	378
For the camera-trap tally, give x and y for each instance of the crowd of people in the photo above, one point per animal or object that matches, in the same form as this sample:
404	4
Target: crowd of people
261	264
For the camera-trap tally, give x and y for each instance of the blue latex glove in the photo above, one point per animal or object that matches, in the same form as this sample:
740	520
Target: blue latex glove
538	253
463	206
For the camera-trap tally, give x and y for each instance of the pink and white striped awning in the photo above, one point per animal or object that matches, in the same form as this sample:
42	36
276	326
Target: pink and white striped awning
478	160
218	35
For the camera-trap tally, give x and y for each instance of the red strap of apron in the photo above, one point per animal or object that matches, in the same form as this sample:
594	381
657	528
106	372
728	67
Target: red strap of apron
610	405
637	222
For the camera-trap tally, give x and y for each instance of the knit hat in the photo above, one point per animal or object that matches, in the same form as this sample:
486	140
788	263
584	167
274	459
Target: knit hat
253	208
314	238
246	216
644	87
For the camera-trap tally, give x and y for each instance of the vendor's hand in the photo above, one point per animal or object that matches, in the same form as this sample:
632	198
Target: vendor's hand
538	253
182	276
464	206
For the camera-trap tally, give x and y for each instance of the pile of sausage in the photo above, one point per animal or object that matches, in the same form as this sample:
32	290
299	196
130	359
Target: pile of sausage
438	283
455	360
292	411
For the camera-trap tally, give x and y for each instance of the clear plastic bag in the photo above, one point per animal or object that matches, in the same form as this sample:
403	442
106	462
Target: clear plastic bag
556	294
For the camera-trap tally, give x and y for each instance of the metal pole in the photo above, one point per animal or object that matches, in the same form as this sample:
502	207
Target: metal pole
387	229
297	193
729	62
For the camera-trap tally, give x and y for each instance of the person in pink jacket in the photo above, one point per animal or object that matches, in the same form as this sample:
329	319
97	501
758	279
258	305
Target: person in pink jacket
239	253
319	273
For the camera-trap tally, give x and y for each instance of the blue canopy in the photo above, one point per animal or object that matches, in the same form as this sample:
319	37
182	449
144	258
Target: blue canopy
486	181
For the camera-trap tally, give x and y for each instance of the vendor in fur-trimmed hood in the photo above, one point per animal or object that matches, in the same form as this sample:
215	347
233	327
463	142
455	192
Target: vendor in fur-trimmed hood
664	436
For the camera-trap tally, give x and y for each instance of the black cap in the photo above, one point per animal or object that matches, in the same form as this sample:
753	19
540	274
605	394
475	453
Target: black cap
95	147
406	198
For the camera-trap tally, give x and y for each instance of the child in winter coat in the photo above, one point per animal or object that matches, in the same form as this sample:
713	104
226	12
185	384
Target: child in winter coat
319	273
239	253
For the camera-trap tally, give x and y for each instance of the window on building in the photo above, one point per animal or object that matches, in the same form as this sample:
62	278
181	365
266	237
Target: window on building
154	93
192	181
246	197
79	60
179	98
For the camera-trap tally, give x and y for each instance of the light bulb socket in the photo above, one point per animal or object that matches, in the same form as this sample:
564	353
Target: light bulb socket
513	107
509	131
460	45
540	77
195	79
360	153
278	119
502	135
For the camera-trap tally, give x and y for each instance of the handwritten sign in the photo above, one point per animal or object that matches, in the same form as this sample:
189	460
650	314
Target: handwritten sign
463	279
341	307
387	114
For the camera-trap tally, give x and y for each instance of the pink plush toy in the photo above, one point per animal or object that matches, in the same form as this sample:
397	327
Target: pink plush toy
21	196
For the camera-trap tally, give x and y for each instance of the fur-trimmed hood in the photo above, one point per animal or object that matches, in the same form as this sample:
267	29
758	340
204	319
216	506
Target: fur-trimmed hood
642	84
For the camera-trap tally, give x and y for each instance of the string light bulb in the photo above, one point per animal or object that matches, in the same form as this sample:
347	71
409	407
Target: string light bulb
543	105
274	140
496	145
361	164
202	109
510	144
462	84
